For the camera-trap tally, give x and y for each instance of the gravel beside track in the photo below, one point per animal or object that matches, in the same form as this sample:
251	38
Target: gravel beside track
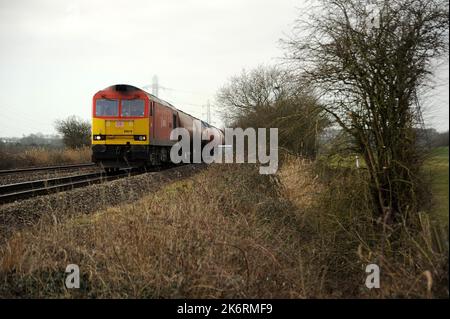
14	216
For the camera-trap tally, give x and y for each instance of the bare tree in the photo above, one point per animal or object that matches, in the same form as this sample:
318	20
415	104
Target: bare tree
268	96
368	60
251	91
75	132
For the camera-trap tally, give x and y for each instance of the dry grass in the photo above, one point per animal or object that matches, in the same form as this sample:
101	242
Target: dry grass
413	260
229	232
42	156
223	233
300	183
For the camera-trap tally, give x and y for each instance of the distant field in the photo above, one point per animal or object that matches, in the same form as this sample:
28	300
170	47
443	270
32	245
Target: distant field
438	164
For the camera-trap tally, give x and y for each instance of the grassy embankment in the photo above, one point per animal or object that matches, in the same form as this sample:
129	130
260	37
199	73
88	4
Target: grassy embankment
230	232
438	165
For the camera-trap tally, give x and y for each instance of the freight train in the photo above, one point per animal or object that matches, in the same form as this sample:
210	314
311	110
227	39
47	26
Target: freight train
131	128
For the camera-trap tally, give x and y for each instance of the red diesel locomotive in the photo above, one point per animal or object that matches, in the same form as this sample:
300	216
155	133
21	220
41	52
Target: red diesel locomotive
131	128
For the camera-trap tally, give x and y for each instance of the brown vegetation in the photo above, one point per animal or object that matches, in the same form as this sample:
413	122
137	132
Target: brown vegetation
230	232
15	157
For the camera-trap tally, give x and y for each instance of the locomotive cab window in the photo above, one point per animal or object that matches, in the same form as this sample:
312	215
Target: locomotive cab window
105	107
133	107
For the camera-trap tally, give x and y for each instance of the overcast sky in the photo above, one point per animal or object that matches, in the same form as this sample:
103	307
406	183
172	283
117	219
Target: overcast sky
54	54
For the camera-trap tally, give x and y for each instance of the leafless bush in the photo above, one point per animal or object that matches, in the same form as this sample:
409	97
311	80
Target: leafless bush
75	132
368	61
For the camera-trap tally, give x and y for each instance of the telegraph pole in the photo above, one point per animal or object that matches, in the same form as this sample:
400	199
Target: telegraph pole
208	112
155	87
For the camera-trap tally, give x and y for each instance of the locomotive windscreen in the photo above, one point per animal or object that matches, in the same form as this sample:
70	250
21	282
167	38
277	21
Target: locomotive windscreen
133	107
105	107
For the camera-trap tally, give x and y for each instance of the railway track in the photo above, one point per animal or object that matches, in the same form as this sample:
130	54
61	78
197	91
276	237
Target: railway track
24	190
45	168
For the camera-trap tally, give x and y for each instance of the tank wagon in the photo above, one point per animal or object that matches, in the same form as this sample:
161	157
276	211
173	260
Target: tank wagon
131	128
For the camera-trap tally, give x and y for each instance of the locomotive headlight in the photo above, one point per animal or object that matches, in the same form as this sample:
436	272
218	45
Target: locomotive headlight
140	137
98	137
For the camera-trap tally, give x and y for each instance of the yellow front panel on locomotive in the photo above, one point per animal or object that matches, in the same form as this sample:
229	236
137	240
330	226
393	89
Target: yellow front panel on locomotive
121	131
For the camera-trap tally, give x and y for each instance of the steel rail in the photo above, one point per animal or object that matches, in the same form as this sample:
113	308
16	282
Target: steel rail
13	192
44	168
